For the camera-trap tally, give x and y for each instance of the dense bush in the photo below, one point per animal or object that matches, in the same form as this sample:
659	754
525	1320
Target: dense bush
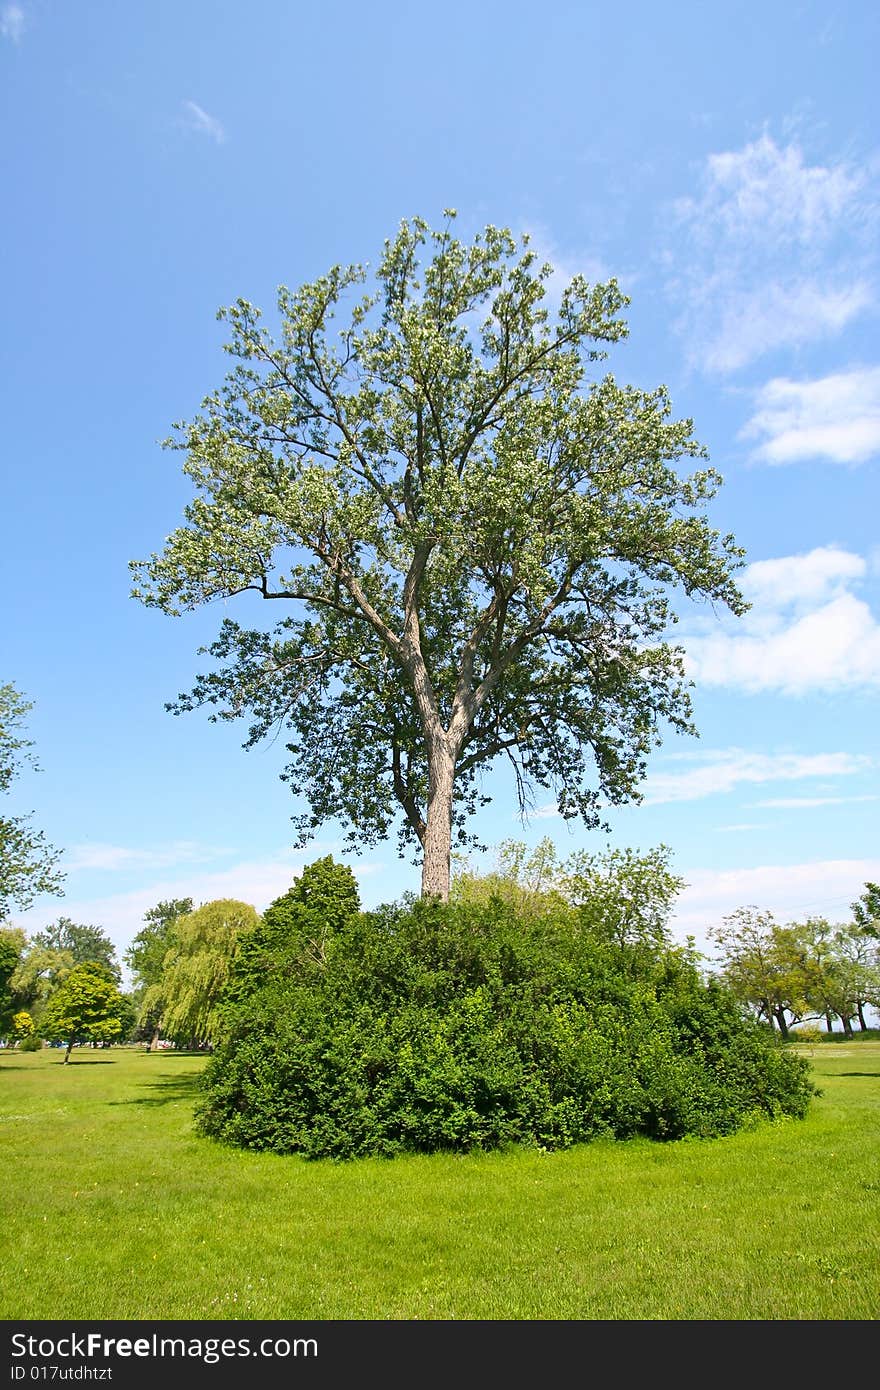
420	1027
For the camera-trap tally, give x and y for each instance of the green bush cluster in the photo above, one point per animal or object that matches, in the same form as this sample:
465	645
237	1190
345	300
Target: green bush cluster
420	1027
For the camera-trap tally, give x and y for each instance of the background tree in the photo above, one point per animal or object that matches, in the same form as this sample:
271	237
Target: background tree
866	910
201	947
479	542
22	1025
857	961
527	880
82	943
86	1008
11	946
145	959
27	861
623	897
40	971
766	965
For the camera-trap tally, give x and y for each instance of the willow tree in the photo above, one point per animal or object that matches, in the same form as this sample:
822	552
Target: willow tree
478	539
200	948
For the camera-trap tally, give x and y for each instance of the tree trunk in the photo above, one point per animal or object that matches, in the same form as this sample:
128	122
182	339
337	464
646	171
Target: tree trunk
847	1025
829	1022
154	1041
862	1024
436	862
783	1026
67	1053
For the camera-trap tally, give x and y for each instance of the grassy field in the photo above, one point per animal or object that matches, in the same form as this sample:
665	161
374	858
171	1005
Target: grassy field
113	1208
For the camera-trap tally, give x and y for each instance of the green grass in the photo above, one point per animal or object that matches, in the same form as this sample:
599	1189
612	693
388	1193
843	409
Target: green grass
113	1208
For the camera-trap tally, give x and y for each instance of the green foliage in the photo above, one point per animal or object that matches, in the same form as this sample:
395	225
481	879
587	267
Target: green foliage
31	1042
86	1008
866	910
145	959
423	1027
27	861
293	930
80	942
201	947
11	942
477	539
22	1024
39	972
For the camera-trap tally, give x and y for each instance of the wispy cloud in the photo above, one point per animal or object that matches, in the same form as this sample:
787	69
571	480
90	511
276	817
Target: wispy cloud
790	891
12	22
195	118
835	417
773	252
719	771
118	858
804	803
806	631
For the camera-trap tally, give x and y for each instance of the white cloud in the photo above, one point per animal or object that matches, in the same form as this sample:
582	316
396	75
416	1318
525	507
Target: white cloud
119	857
197	119
775	253
12	22
719	771
806	630
791	892
835	417
823	573
803	803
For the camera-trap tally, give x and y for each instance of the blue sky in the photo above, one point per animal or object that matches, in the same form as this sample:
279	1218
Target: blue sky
721	161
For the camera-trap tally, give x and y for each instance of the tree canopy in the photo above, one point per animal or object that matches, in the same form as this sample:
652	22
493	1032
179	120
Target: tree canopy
27	861
476	537
200	948
87	1007
81	941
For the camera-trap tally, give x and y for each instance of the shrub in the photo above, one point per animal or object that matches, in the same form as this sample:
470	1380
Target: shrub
422	1027
32	1042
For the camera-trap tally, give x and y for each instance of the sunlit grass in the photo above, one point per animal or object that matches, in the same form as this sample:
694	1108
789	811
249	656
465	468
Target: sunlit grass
113	1208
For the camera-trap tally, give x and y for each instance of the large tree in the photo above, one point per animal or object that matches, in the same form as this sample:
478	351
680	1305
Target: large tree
28	863
478	541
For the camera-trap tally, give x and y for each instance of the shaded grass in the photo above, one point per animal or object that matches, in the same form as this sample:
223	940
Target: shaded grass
113	1208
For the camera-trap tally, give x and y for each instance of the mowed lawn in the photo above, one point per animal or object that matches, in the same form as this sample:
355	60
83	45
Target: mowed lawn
113	1208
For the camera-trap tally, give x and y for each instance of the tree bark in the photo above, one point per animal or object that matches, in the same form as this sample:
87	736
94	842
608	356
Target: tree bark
780	1019
67	1053
862	1024
436	861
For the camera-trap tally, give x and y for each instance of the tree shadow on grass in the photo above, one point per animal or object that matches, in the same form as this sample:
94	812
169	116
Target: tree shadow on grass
173	1089
86	1062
